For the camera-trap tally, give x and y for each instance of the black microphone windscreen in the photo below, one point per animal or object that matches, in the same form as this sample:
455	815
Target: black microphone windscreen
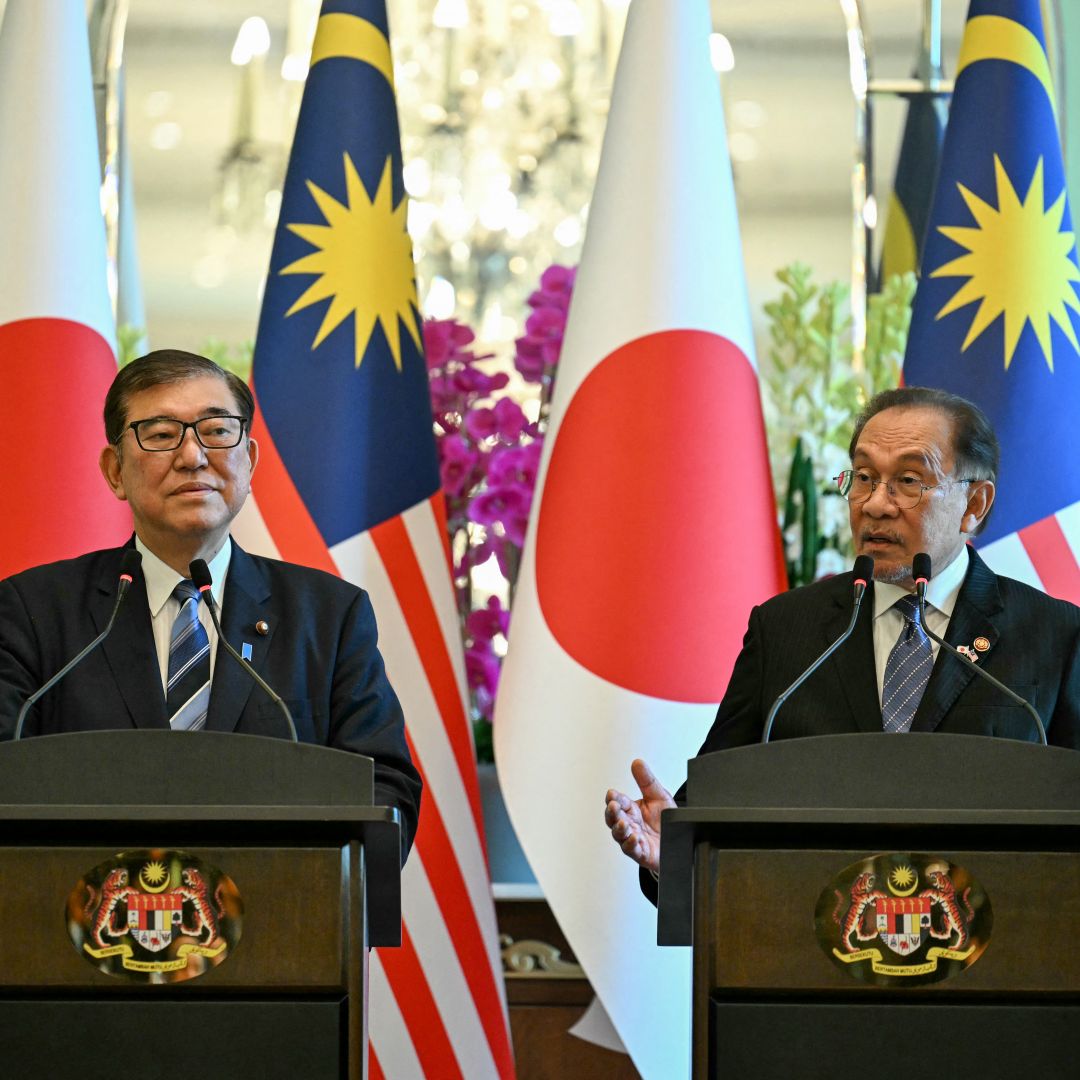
864	568
131	562
200	574
920	566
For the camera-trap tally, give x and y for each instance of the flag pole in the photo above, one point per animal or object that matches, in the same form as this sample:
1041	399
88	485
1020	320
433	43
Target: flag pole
930	56
863	205
108	21
929	80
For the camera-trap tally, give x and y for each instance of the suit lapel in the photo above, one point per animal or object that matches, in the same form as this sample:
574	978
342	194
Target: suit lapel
246	602
854	660
129	649
978	601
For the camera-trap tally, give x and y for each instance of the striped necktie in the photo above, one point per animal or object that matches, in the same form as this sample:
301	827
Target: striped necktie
907	669
188	692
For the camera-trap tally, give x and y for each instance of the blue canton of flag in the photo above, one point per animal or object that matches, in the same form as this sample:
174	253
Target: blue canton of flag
997	312
339	371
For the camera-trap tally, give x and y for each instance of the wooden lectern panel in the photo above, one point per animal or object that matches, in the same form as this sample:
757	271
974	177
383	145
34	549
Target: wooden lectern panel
293	938
756	912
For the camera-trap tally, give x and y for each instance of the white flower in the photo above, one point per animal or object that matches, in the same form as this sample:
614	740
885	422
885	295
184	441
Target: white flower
829	561
832	515
834	460
793	542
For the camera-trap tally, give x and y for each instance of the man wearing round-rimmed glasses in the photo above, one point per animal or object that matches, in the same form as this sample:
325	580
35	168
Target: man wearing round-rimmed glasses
923	469
923	466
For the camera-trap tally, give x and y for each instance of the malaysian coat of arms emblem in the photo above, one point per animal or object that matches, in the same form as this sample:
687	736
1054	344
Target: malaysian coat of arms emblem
155	916
903	919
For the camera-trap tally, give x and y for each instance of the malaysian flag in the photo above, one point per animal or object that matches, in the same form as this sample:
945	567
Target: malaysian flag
997	313
348	482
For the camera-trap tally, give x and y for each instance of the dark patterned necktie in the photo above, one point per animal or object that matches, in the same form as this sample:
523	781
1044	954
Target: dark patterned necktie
188	693
907	670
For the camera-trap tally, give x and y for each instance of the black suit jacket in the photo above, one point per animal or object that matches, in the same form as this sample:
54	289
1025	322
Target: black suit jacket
320	655
1034	650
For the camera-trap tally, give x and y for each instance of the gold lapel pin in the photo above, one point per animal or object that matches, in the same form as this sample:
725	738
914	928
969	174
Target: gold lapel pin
982	644
262	627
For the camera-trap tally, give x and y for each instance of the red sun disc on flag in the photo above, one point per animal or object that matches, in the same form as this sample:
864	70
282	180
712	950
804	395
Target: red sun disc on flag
56	373
657	528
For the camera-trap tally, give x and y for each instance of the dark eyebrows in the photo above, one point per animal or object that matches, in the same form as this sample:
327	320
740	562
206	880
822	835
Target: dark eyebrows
205	414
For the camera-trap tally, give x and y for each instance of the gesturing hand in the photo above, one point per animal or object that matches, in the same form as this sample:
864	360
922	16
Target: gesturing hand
635	824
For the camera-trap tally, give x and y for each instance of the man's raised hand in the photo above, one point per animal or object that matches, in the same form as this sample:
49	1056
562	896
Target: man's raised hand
635	824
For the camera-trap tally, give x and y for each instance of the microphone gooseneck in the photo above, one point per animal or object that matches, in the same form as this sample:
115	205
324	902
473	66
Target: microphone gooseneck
863	574
200	576
920	571
130	563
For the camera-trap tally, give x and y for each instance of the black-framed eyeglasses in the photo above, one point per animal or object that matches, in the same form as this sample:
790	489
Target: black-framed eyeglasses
162	433
905	490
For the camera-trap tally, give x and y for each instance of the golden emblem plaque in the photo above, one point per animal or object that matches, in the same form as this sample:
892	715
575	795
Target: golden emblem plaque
156	916
903	919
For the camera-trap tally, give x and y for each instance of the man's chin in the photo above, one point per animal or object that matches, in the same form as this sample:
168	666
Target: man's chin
891	572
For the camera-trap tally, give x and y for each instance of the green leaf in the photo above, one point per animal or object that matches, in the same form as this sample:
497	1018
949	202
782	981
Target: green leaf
811	394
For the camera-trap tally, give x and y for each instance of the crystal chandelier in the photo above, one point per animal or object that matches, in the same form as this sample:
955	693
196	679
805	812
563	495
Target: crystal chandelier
502	110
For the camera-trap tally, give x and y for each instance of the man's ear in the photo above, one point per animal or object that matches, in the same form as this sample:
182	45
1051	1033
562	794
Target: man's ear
253	455
980	499
109	464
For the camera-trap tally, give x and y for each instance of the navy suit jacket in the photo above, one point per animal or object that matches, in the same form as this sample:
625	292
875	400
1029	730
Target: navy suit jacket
320	654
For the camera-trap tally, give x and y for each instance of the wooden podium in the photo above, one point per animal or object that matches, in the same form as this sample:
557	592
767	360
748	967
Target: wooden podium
767	828
316	865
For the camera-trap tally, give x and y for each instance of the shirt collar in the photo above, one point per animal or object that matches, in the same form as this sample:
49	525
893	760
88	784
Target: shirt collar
161	578
941	591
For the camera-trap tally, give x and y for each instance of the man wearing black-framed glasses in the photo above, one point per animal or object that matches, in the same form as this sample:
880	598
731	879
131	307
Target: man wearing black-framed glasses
179	452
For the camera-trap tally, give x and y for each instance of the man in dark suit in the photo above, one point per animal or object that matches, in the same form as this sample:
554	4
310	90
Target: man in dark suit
179	453
923	468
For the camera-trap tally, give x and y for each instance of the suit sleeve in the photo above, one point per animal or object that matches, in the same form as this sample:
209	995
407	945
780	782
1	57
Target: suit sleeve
19	661
366	717
1063	728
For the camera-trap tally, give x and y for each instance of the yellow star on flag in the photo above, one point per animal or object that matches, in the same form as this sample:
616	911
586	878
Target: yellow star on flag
1017	263
364	262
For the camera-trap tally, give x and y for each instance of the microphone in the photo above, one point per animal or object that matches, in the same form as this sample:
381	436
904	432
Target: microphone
200	576
128	565
920	571
864	572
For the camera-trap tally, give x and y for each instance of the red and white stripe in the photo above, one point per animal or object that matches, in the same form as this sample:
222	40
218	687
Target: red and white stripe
437	1004
1043	555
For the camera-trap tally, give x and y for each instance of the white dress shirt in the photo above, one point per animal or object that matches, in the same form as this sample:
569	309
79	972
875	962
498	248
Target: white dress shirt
160	580
941	593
